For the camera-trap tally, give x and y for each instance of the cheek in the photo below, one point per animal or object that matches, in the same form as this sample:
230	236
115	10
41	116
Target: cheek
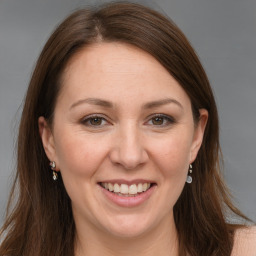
172	156
79	159
79	155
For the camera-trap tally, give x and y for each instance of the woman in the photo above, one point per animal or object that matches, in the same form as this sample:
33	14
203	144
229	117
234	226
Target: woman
121	109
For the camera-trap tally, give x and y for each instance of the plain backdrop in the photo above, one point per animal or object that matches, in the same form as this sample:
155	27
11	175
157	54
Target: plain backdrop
223	32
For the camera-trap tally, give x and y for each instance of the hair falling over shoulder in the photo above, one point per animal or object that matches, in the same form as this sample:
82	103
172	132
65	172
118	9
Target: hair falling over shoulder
39	220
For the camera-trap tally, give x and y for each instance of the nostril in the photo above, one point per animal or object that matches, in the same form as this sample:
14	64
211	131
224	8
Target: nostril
128	152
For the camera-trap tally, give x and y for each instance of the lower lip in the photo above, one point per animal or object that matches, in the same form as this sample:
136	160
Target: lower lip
128	201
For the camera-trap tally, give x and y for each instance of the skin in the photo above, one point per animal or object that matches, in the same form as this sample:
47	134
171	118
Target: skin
245	242
127	142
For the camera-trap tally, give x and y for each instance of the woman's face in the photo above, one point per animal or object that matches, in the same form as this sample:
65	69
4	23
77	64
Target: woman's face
122	123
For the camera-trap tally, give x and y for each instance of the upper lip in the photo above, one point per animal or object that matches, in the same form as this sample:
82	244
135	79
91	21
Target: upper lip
128	182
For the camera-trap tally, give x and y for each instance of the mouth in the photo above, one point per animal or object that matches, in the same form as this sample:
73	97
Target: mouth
125	190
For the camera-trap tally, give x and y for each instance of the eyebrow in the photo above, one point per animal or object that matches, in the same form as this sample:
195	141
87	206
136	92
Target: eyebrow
158	103
93	101
104	103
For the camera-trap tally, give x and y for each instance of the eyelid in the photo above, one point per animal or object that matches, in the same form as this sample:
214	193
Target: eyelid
87	118
171	120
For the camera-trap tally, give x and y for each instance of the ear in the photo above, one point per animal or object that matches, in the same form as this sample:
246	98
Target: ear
47	138
198	134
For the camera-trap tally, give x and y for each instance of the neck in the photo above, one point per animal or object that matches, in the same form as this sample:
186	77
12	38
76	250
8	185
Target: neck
161	241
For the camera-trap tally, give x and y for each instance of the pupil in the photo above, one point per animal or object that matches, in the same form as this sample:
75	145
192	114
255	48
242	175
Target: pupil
96	121
158	120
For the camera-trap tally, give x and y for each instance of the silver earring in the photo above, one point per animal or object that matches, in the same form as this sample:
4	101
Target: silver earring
54	173
189	178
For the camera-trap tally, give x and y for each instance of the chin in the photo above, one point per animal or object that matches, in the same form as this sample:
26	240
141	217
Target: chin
129	228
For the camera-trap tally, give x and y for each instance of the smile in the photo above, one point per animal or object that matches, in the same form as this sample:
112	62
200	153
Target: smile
126	190
126	193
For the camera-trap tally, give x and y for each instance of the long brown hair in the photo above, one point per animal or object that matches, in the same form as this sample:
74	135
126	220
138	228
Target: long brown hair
41	222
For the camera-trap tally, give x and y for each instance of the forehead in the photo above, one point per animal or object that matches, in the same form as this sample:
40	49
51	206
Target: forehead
104	68
107	58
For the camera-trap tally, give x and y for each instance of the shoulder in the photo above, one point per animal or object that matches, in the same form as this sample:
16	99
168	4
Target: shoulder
245	242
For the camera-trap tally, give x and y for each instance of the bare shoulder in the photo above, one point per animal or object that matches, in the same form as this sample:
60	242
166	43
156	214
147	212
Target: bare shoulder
245	242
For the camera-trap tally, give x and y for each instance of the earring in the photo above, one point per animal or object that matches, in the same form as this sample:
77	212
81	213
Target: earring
189	178
54	173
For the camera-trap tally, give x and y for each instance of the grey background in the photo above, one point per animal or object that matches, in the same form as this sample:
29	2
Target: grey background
223	32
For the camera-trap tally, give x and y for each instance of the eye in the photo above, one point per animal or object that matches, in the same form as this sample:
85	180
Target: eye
161	120
94	121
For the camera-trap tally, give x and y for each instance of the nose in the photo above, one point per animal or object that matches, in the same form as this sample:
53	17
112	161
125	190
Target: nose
128	150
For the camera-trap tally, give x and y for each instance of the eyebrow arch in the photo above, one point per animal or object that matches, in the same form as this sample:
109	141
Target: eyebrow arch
104	103
162	102
93	101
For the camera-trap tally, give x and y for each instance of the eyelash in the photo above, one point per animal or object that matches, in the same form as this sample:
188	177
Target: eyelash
88	119
167	120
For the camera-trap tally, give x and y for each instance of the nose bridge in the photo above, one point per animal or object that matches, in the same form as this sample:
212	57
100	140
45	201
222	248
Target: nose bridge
129	150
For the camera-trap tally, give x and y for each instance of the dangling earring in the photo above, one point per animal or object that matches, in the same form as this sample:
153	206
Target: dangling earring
189	178
54	173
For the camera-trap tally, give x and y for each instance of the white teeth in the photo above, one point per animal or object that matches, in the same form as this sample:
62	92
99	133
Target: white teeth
133	189
144	187
116	188
124	189
110	187
139	189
